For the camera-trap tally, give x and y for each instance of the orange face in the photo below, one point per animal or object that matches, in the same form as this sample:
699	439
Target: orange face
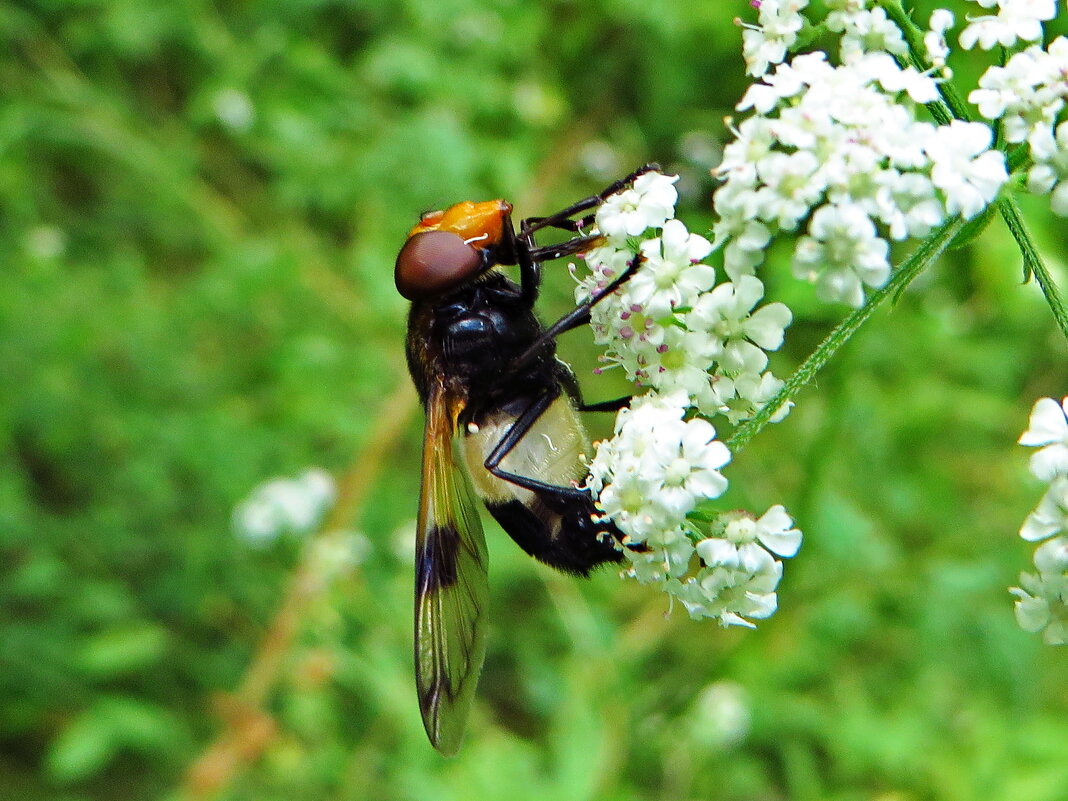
478	224
449	247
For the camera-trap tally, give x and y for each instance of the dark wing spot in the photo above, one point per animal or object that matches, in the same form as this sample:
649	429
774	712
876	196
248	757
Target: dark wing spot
430	695
436	562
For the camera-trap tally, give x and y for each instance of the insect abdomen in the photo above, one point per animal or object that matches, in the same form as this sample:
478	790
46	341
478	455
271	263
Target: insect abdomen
557	529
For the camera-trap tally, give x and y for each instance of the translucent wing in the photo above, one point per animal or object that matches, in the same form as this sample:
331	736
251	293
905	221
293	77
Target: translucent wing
450	584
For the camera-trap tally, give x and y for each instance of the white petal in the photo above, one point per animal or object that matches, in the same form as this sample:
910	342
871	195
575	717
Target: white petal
1037	528
1049	462
1052	557
761	605
716	551
1032	613
785	543
765	327
1048	423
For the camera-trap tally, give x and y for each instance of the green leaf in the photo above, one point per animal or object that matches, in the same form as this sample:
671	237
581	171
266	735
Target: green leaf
83	748
94	737
124	650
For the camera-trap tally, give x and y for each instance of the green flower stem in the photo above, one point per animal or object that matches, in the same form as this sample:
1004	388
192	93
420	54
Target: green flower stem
1033	263
929	250
951	106
1017	158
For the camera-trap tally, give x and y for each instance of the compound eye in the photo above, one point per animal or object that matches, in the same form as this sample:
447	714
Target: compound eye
434	261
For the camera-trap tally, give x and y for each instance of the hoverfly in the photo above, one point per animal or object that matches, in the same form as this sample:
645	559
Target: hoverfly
499	402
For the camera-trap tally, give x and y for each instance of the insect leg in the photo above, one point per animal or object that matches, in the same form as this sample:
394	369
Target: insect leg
579	244
580	315
518	430
520	247
557	220
517	249
533	223
613	405
571	386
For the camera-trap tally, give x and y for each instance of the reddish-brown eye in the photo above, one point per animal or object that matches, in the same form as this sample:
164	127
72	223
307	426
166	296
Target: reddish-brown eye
434	261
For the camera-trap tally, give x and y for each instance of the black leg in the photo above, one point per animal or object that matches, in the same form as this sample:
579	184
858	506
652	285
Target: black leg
613	405
579	244
519	429
557	220
517	249
580	315
574	226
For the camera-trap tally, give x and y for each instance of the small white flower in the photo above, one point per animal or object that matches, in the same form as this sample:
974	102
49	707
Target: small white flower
1027	93
737	585
1042	599
842	254
934	40
720	715
766	43
671	274
741	396
746	249
285	505
648	203
774	529
791	187
1049	174
1047	429
870	31
687	471
727	313
964	168
1051	515
906	203
657	467
1015	20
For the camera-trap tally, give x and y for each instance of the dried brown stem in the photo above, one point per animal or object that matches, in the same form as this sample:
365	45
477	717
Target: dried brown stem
248	729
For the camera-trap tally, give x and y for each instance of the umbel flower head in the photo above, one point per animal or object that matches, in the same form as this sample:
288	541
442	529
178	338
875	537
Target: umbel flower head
839	154
651	478
1042	597
699	349
671	327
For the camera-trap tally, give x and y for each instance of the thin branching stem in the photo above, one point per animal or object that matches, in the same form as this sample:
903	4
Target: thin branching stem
925	254
953	107
1033	263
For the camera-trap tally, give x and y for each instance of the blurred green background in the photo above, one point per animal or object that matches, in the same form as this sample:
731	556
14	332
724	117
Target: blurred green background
200	205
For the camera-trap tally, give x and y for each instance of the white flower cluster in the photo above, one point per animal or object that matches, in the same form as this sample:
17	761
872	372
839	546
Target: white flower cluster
1015	20
670	327
840	148
767	42
837	154
695	345
652	478
285	505
863	30
1042	598
1028	95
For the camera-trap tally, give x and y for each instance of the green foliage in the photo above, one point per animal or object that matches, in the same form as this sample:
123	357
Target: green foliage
201	206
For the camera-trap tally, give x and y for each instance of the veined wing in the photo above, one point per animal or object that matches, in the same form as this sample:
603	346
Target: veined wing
450	583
